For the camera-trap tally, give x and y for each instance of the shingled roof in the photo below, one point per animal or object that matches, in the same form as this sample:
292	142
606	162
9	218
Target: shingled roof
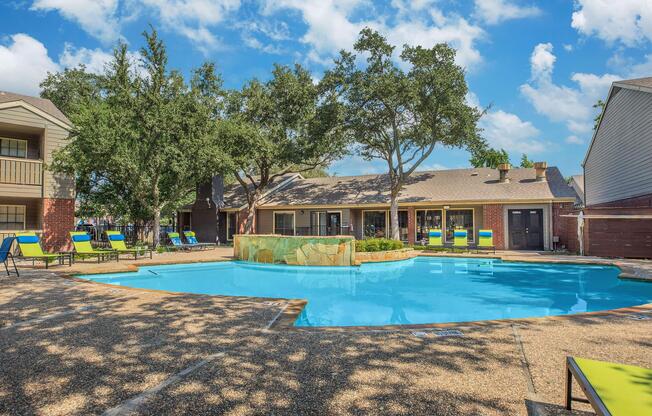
636	82
42	104
441	186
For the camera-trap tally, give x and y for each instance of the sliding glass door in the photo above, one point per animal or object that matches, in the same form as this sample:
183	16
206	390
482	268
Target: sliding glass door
427	219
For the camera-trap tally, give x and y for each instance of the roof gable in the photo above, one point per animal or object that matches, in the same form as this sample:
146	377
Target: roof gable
40	106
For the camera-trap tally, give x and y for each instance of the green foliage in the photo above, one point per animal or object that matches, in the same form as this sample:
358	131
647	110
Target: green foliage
596	121
71	89
377	244
484	157
318	172
143	143
526	162
398	115
284	125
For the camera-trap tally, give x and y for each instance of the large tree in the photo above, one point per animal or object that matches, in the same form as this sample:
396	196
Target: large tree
143	144
284	125
401	115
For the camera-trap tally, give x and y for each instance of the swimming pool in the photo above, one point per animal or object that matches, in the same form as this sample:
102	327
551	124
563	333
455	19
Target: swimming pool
417	291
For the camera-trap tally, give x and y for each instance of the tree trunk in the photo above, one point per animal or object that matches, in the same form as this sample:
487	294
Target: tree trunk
251	213
157	227
393	215
217	226
156	237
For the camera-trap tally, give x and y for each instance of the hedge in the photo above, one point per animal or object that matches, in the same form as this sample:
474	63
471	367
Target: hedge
377	244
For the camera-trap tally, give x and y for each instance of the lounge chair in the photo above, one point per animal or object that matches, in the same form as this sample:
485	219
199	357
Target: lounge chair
82	243
30	249
460	240
192	240
435	238
117	241
5	255
175	239
611	389
486	240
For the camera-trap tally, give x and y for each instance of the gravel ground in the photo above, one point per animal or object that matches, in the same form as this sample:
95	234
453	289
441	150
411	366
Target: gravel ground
72	348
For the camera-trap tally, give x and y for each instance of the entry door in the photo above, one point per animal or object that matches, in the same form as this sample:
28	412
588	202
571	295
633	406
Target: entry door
525	229
334	223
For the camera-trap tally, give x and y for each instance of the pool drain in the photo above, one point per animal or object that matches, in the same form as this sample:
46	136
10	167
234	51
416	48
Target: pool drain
442	333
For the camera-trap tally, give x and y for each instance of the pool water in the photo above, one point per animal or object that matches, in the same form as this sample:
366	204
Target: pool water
417	291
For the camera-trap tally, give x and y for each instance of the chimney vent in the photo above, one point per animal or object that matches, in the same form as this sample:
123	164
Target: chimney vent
504	168
540	168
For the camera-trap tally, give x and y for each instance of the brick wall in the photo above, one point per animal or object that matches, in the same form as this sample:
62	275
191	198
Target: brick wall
58	221
493	219
411	225
564	227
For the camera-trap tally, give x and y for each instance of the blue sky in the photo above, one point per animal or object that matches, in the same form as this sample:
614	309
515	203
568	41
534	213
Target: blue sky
539	64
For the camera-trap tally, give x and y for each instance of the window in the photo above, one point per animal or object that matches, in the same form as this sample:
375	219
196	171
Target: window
231	222
459	219
284	223
13	147
12	217
374	223
427	219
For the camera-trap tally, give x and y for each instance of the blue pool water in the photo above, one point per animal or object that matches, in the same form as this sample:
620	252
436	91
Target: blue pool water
416	291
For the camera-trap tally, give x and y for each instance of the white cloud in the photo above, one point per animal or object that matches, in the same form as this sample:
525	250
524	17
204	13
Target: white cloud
332	26
94	59
103	19
627	21
568	47
542	61
572	139
560	103
24	64
496	11
641	69
507	131
192	19
98	17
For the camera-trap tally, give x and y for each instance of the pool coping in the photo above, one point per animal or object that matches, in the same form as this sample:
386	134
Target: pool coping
288	315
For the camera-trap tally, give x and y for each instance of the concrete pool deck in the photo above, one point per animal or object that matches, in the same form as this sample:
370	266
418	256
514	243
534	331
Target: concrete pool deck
70	347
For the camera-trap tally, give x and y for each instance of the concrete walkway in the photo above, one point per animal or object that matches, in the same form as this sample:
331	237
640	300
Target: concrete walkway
76	348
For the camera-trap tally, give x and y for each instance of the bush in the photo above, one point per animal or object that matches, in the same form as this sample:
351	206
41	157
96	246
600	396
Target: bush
377	244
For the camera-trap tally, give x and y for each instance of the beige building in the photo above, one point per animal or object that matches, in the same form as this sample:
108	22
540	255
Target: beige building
523	207
31	197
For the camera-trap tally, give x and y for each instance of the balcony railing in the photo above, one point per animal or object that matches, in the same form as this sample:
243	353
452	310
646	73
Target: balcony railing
21	171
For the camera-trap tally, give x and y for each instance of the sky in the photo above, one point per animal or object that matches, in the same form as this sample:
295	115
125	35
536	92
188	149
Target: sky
538	66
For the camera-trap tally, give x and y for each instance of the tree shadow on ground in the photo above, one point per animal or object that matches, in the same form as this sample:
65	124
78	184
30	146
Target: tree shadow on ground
127	341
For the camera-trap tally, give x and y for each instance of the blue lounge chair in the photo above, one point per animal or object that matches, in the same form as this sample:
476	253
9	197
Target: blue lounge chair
5	255
191	238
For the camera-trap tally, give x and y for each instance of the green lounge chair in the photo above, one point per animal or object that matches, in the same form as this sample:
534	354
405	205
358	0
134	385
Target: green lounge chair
191	238
82	243
486	240
175	239
30	249
117	241
611	389
435	238
460	240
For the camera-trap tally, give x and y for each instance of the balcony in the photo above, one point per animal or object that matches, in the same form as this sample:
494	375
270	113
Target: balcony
21	177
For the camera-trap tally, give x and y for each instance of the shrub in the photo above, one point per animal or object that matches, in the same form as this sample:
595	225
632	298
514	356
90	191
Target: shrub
377	244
